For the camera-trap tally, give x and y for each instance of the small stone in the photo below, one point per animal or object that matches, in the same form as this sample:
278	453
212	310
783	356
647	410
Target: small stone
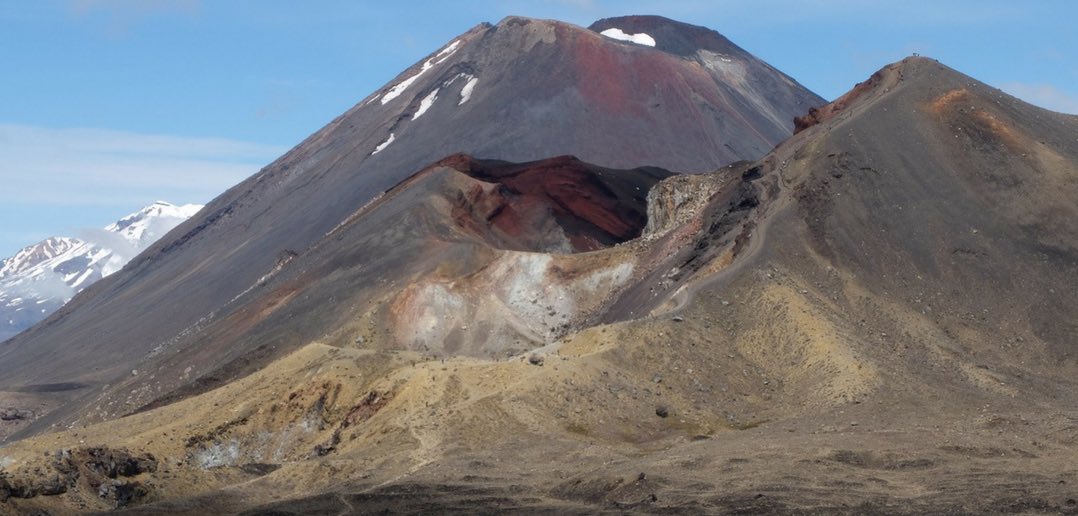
536	359
853	423
678	318
662	411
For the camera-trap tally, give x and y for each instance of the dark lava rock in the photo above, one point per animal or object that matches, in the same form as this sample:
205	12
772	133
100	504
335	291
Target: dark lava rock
14	414
122	492
12	489
110	463
322	450
5	488
97	467
259	468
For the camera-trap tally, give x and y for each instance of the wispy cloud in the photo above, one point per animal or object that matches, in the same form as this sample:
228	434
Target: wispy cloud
101	167
116	17
1043	95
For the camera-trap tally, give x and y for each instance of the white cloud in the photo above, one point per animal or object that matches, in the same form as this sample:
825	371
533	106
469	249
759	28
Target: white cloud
1043	95
102	167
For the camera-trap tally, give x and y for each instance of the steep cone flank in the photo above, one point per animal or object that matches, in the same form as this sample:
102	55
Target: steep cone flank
743	80
873	318
952	183
764	94
908	248
520	90
921	177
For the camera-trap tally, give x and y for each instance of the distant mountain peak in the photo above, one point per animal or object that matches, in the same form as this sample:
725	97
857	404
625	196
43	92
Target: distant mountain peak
143	226
40	278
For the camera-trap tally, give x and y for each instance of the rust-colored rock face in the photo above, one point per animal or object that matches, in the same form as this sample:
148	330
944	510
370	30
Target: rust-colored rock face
594	207
884	78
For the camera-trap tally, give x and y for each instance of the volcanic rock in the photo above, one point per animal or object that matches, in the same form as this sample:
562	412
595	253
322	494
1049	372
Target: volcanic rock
519	91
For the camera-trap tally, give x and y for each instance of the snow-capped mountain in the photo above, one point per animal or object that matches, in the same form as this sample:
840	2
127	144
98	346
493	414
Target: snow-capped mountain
40	278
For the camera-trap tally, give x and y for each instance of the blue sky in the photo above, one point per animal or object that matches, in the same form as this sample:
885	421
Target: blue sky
109	105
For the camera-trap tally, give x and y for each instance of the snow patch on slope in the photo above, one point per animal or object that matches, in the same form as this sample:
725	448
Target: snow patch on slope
383	145
639	39
449	49
396	91
468	88
466	91
426	103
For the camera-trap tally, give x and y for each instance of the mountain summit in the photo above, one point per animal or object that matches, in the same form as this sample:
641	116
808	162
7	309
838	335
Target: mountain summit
767	94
